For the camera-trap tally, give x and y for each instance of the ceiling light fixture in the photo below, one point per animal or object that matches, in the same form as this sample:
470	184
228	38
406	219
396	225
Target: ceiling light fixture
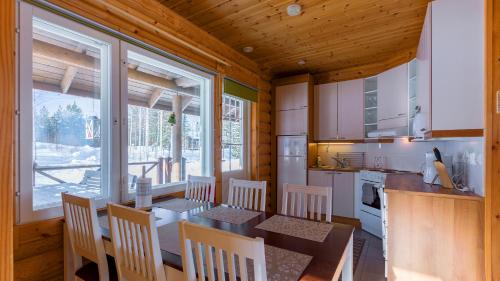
301	62
294	10
248	49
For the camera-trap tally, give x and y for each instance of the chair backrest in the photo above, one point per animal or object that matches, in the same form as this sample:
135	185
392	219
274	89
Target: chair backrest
301	199
205	242
91	178
247	194
135	244
84	232
200	188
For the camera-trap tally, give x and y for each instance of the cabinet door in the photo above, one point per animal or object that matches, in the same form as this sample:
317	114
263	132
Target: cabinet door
291	122
350	109
393	97
424	53
293	96
343	194
321	178
457	64
326	104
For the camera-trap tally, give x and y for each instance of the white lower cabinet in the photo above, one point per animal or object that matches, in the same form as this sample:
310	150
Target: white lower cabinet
342	184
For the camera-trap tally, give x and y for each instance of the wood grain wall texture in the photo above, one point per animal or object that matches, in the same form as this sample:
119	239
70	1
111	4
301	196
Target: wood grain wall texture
7	92
38	246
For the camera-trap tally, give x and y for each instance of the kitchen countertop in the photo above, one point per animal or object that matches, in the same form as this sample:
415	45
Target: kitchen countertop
414	183
328	168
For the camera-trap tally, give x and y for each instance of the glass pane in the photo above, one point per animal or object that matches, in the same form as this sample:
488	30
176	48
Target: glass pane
164	124
371	116
370	84
70	83
232	133
413	88
371	99
370	128
412	68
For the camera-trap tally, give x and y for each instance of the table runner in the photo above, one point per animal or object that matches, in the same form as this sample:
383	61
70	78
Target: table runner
229	214
296	227
180	205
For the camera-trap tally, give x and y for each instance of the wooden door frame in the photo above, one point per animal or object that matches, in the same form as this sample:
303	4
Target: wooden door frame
7	107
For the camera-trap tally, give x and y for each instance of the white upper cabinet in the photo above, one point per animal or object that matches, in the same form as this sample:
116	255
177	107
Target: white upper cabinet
326	111
392	98
292	122
450	66
350	109
457	64
292	96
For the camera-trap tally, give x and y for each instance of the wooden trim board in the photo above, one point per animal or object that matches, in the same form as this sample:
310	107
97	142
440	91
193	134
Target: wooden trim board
7	106
454	133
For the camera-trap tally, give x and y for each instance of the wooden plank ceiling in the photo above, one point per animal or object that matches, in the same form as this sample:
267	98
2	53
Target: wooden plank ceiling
329	35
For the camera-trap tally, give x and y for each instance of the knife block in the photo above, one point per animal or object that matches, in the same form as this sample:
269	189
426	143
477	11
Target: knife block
444	177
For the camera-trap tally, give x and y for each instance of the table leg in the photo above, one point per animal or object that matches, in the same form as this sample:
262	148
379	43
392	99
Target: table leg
347	269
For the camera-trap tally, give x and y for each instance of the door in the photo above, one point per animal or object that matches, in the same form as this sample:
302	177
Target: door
393	97
291	122
424	54
293	96
235	140
343	194
326	104
350	109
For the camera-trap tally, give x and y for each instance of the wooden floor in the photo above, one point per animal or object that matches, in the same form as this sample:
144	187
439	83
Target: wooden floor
371	262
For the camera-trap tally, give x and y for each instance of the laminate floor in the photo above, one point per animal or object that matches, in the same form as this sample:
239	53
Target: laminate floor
371	263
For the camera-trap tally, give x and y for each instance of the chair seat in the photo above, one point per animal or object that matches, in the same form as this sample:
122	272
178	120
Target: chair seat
90	271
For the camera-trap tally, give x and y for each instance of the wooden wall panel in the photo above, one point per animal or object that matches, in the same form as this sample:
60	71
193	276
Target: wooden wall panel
7	95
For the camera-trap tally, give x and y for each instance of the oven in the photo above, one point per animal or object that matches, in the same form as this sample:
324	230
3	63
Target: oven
369	202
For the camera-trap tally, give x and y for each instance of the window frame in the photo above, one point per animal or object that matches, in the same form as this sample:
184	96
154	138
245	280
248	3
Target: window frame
116	125
25	109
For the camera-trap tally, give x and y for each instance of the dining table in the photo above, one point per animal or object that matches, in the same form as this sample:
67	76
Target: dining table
330	259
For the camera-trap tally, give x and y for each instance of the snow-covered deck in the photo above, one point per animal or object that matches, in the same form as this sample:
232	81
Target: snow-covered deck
47	196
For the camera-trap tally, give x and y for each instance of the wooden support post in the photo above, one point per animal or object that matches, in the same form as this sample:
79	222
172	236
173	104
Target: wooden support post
177	138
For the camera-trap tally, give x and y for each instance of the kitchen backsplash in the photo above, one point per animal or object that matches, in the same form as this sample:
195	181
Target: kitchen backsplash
410	156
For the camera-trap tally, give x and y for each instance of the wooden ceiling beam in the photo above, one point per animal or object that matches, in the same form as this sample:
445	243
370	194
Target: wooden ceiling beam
68	77
80	60
155	97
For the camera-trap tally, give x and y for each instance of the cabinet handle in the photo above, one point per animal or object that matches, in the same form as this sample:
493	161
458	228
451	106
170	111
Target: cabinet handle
401	114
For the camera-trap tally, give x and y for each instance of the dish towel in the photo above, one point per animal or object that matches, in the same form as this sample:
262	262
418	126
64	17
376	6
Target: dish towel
368	194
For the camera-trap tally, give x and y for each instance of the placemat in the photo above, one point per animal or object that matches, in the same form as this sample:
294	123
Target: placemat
301	228
228	214
180	205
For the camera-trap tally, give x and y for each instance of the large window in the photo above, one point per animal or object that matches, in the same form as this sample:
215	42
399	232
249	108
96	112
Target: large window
233	133
73	92
168	109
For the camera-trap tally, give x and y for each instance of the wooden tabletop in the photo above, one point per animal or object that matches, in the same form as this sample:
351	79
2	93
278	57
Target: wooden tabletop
326	255
414	183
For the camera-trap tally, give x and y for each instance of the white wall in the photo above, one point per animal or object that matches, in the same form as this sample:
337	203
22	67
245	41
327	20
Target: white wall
410	156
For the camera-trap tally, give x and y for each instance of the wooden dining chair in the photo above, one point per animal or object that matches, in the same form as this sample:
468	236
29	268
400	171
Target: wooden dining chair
135	243
84	234
247	194
200	188
205	243
297	200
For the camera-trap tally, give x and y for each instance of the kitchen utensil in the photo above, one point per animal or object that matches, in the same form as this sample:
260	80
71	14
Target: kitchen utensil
437	153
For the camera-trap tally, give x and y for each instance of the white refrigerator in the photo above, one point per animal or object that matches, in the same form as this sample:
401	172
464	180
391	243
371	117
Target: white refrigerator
292	162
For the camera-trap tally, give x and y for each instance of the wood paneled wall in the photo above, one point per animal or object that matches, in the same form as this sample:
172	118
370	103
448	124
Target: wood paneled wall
38	246
7	97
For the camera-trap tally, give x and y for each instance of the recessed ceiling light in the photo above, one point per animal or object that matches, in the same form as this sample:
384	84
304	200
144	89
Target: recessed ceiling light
301	62
248	49
294	10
